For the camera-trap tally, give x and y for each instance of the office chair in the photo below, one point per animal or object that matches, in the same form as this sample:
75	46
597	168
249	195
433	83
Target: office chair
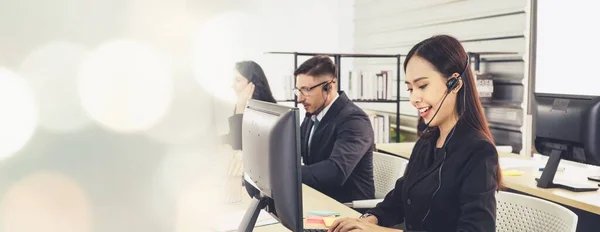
387	169
516	212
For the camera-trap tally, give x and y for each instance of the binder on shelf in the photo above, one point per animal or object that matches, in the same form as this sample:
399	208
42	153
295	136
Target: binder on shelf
380	87
390	84
381	127
370	85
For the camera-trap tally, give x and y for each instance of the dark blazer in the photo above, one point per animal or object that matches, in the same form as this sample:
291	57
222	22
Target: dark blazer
340	162
234	138
465	200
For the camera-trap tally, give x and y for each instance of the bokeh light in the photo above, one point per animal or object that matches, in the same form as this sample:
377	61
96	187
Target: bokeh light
125	86
52	73
189	115
18	117
46	201
166	25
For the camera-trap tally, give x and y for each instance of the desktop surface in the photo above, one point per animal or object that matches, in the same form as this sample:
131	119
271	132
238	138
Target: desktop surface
525	182
312	200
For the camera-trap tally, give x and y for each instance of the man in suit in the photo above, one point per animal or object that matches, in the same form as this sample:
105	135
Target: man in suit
337	137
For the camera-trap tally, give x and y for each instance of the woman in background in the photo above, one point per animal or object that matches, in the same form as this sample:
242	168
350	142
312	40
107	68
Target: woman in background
453	173
249	82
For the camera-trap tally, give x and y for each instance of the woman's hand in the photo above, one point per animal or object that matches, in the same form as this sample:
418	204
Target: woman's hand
243	98
354	224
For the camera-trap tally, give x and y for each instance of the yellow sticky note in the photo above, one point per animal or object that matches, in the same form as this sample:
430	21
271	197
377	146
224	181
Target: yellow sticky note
329	220
512	173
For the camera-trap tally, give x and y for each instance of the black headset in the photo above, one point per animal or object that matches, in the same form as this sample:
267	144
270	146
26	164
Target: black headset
451	84
327	86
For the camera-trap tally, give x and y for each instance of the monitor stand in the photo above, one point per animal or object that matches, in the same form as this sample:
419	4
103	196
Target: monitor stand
547	178
252	213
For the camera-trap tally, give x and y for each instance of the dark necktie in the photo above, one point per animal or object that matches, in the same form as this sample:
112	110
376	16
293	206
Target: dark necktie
312	133
307	136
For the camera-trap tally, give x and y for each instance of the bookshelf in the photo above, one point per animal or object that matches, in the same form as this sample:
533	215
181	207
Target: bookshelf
502	89
337	58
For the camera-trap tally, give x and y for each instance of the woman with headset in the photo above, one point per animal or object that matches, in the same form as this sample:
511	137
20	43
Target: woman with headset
453	173
249	82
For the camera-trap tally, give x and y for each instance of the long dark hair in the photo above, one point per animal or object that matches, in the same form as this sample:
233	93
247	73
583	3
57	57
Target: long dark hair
255	74
448	56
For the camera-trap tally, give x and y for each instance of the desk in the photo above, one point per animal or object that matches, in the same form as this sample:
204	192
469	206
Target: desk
314	200
311	200
586	201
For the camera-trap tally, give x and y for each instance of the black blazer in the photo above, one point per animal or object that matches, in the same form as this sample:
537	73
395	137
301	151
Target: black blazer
465	200
340	163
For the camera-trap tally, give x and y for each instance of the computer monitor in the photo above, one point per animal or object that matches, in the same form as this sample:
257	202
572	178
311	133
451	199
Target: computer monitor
271	157
567	126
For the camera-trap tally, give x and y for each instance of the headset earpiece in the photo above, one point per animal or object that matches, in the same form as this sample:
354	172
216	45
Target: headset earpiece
326	87
452	83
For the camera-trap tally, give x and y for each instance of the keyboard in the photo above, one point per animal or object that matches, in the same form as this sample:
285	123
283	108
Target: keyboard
315	230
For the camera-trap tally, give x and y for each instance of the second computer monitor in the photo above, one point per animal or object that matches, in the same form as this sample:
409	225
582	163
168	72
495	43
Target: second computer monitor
567	127
568	123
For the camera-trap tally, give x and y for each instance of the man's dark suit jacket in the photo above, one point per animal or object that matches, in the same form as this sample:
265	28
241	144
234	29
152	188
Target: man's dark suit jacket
340	161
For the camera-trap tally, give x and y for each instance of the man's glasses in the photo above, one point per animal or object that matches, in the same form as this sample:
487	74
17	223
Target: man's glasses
305	91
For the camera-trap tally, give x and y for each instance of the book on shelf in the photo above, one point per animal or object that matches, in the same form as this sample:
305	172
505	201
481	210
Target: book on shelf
371	85
381	127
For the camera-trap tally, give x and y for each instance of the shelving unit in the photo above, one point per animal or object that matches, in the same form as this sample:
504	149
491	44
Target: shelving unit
337	58
503	108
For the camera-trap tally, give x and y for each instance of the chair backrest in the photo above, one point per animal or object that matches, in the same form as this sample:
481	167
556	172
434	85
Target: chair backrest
516	212
387	169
